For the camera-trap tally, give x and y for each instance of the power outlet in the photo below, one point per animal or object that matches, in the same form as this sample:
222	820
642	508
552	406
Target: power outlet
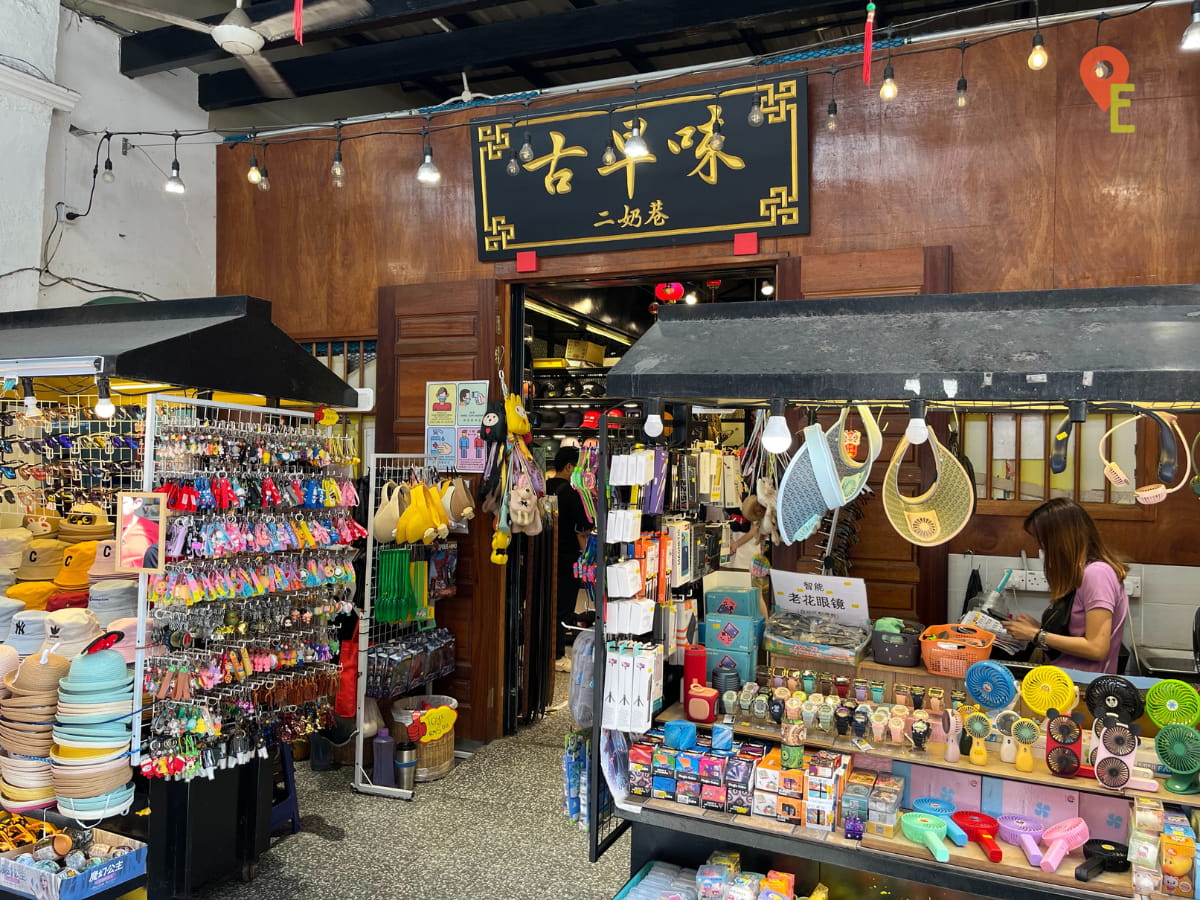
1029	580
1133	585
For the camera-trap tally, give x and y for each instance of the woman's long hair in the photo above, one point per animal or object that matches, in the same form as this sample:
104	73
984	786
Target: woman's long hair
1069	539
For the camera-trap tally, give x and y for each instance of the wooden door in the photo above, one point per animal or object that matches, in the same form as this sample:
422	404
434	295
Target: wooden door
448	331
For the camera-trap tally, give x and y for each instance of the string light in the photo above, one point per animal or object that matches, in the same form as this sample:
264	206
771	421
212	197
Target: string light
526	153
960	91
174	184
610	152
514	164
831	110
636	146
1038	57
254	173
777	436
1191	34
888	90
104	406
755	117
427	172
108	176
264	183
338	171
653	426
716	140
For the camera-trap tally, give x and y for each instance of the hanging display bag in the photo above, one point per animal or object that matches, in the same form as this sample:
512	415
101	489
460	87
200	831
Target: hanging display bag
941	512
387	515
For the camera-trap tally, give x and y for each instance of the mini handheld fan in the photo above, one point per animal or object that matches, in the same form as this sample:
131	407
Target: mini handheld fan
1178	748
1114	694
1022	833
1048	687
952	724
978	726
1061	839
1172	702
932	806
1102	856
1114	756
930	831
1025	733
982	830
1064	743
990	685
1004	724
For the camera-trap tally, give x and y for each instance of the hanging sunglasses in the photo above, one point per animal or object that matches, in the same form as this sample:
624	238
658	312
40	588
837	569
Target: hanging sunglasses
7	418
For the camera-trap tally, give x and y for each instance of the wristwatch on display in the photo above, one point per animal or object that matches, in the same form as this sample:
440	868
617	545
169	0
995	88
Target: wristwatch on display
791	709
746	698
860	688
809	677
900	692
900	711
825	716
879	720
935	700
781	693
841	720
817	698
920	734
826	680
843	686
896	729
877	688
799	695
729	702
808	712
861	720
917	692
760	707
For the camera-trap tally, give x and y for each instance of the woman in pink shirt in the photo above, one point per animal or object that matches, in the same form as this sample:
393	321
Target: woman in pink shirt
1086	579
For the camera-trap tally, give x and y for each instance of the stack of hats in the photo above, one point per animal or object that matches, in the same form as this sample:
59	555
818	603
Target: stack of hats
13	544
113	599
28	631
104	567
27	721
40	564
90	771
69	631
9	607
72	577
85	522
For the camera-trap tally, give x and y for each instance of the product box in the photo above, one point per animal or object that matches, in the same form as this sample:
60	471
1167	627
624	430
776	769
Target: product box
826	772
1178	865
1107	816
765	803
687	765
687	793
744	661
713	796
753	750
739	800
732	601
16	878
821	814
1033	801
790	810
884	806
584	351
792	783
662	788
712	767
641	756
739	772
1176	822
856	796
766	774
640	781
664	761
963	789
742	633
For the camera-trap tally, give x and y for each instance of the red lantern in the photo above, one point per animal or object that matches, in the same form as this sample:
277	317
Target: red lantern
668	291
713	283
653	307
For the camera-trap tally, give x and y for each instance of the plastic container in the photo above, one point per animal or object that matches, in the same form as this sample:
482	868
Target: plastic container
952	649
383	773
902	649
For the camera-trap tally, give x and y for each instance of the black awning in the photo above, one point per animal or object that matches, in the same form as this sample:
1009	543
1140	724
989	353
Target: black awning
1120	344
215	343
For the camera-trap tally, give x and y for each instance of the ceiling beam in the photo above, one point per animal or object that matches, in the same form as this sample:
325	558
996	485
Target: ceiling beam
753	43
573	31
162	49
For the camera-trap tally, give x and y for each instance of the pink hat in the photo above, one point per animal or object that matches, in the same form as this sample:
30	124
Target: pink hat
105	564
127	646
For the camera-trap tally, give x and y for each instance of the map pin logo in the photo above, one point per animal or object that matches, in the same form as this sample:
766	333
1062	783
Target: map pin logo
1101	87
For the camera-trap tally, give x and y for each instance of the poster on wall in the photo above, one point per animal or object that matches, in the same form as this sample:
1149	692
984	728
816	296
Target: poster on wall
439	447
472	401
656	168
439	404
471	450
453	413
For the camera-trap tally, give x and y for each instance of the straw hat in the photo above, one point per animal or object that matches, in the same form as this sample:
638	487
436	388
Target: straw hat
13	543
77	560
41	560
113	803
9	660
32	594
85	522
71	630
26	794
93	785
26	701
84	756
38	673
21	717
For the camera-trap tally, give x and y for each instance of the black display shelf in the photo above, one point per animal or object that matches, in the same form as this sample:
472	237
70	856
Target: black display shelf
655	834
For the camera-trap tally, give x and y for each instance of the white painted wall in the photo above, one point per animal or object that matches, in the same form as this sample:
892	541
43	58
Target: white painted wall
137	236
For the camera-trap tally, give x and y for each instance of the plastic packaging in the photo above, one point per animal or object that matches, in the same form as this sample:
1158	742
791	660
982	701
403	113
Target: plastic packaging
711	882
580	698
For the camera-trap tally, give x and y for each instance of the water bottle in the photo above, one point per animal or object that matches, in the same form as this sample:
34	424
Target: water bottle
406	763
383	774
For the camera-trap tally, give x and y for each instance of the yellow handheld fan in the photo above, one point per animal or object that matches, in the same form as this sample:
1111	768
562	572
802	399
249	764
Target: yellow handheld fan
978	726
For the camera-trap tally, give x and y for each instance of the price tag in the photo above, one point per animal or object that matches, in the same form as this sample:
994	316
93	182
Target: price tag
438	722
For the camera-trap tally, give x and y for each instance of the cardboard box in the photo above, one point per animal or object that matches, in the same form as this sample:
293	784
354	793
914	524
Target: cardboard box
687	793
856	795
664	761
713	796
730	633
31	882
821	814
765	804
732	601
585	351
885	805
766	773
1107	817
739	800
712	767
687	765
744	661
1178	854
662	788
793	783
1033	801
963	789
790	810
640	781
739	772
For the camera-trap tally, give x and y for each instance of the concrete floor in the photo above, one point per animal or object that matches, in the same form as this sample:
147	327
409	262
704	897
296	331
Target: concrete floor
491	830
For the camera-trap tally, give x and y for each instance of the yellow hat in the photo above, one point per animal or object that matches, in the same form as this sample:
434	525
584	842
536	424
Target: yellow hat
33	594
77	560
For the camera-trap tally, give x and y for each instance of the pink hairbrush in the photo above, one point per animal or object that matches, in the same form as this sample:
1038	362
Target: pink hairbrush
1061	839
1024	834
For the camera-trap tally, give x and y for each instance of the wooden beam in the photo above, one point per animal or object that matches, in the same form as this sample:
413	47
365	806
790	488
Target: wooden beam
573	31
174	48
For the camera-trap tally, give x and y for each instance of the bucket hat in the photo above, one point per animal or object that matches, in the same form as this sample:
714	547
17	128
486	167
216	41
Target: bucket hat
9	607
38	673
33	594
28	631
127	645
113	599
67	600
808	488
41	560
941	512
72	630
7	579
13	543
77	560
104	566
98	673
42	522
85	522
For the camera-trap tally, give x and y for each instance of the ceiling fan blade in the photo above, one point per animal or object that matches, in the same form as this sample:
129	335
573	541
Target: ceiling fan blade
151	13
266	76
320	16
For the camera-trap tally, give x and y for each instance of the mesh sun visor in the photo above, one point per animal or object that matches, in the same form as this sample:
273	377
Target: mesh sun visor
852	474
942	511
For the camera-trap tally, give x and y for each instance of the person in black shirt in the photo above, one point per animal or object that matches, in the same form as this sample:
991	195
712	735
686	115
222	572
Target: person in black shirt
573	530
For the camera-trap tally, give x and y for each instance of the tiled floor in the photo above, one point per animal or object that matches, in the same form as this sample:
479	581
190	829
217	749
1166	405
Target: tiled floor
491	830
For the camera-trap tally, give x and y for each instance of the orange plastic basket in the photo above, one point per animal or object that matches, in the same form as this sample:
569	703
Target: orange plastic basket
952	649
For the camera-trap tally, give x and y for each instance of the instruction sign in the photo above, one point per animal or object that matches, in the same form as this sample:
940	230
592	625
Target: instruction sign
842	599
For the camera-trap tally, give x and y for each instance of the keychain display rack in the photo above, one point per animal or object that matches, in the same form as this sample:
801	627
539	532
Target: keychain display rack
384	671
234	645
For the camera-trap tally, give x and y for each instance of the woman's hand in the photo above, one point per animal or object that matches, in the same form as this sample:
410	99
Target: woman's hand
1023	627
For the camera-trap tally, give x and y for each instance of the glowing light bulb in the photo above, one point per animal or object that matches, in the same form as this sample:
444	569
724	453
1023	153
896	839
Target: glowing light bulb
527	149
636	147
514	165
755	117
1101	70
888	90
777	436
767	289
1191	34
174	183
717	140
610	154
427	172
653	425
960	97
108	175
337	170
254	174
691	298
917	431
831	119
104	406
265	184
1038	57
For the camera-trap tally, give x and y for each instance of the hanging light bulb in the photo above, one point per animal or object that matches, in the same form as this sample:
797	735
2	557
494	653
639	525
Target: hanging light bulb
32	410
1038	57
888	90
108	175
337	170
917	431
610	153
265	183
653	426
174	183
636	147
831	118
104	405
514	164
527	148
1102	70
427	172
960	97
716	140
691	299
254	174
767	289
777	436
1191	34
755	117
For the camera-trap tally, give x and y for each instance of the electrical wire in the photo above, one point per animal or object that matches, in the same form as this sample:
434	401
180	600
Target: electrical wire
30	67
